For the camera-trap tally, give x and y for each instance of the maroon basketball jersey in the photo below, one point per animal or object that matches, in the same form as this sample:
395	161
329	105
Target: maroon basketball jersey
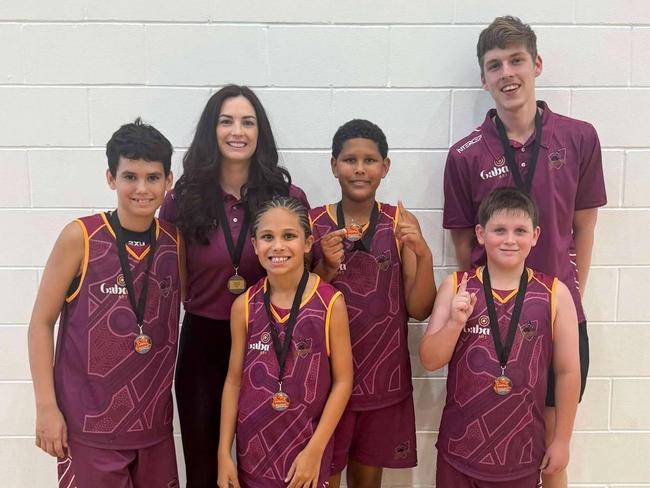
268	441
111	396
482	434
371	282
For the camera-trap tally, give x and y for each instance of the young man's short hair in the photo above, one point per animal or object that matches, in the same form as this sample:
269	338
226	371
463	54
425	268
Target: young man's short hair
504	32
359	128
138	140
509	200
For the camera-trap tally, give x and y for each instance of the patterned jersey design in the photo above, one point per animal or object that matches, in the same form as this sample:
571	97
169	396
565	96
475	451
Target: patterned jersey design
267	440
373	288
110	395
482	434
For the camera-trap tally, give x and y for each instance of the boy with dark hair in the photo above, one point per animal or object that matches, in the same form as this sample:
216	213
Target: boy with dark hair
500	327
103	401
375	254
554	158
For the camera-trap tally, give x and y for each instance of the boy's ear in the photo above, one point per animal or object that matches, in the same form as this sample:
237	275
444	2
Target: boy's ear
169	179
536	234
480	234
538	65
110	180
386	167
333	164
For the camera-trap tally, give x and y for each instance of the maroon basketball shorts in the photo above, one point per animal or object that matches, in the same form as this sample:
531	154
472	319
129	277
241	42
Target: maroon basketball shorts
448	476
92	467
384	437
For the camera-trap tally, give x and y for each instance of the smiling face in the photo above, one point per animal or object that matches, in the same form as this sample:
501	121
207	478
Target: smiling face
280	242
237	129
140	187
359	168
509	75
508	237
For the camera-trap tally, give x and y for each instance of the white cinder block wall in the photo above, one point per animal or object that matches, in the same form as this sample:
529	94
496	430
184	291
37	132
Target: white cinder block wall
72	71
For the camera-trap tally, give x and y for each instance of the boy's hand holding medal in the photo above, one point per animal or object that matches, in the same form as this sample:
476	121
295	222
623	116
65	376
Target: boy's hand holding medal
332	246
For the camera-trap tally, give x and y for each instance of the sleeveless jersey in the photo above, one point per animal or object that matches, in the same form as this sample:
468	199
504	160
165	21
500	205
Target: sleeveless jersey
268	441
111	396
373	288
482	434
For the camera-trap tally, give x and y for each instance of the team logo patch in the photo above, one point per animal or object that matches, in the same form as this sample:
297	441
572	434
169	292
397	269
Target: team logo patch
265	338
303	348
402	450
500	162
120	280
557	159
528	329
165	287
383	261
484	321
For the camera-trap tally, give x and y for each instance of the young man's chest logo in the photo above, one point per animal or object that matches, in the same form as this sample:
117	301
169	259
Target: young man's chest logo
499	169
557	159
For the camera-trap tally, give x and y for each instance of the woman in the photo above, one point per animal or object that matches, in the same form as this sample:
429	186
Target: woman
229	170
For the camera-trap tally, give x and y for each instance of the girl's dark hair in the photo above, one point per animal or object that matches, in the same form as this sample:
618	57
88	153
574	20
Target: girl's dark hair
197	189
510	200
287	203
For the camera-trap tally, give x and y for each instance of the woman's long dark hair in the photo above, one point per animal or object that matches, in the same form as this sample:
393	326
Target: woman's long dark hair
197	190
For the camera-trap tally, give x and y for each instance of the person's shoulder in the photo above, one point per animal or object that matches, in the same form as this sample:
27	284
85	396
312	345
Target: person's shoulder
570	126
548	281
467	145
326	290
317	213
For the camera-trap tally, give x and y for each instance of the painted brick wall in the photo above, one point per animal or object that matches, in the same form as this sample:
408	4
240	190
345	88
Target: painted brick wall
72	71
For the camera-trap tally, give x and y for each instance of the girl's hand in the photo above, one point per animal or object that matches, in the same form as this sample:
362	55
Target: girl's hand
332	246
462	305
51	431
305	469
408	232
227	477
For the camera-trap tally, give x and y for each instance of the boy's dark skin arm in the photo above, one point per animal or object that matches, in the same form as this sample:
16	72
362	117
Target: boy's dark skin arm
584	224
566	364
463	240
63	265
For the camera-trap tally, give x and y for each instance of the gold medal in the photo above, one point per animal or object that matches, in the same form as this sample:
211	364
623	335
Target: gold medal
142	344
236	284
502	385
280	401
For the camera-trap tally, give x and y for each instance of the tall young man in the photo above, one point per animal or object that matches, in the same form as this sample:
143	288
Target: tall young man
554	158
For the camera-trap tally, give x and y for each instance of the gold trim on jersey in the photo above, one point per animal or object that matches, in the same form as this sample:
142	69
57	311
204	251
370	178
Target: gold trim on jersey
84	266
281	320
328	316
479	275
133	254
553	304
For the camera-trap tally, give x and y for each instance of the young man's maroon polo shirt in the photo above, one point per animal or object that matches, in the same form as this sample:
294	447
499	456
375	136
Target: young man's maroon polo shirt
568	177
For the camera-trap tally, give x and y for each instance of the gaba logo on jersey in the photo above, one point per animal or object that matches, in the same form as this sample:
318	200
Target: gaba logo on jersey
263	344
499	169
481	327
118	288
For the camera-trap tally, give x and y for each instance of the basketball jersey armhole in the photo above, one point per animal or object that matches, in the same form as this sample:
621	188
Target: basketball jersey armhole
553	291
395	221
328	316
84	266
246	313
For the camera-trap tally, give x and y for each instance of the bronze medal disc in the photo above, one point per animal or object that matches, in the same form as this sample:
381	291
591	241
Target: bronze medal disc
280	401
236	284
502	385
142	344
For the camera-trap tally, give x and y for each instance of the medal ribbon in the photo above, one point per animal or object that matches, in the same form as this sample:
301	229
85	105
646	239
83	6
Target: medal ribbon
509	153
234	251
503	350
120	240
282	349
365	243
